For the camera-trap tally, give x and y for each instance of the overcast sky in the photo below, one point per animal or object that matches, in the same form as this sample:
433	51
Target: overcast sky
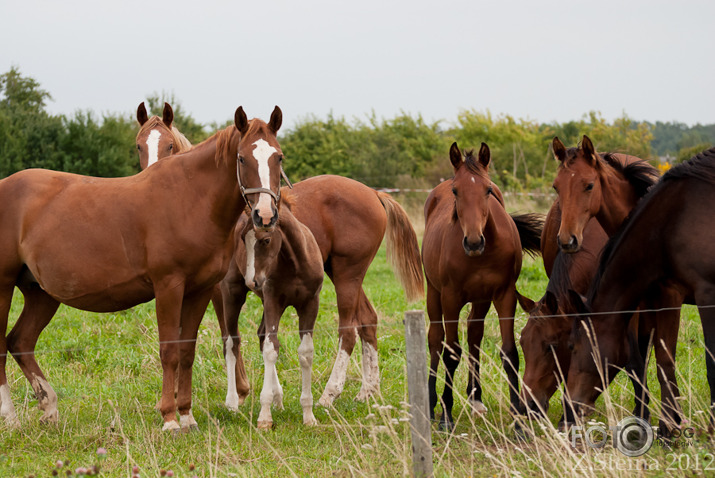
541	60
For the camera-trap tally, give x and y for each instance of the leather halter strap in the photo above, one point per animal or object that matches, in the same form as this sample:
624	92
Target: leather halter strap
245	191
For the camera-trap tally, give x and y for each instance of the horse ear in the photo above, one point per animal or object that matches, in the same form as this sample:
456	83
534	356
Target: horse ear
526	304
579	303
559	149
241	120
484	155
589	151
455	156
276	120
142	116
551	303
168	116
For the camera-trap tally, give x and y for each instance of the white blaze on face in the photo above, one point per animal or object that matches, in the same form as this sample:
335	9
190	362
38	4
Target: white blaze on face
152	144
250	241
263	152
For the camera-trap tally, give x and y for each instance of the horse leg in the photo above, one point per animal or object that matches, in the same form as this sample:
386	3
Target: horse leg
451	356
192	311
435	339
169	299
368	338
506	308
7	409
707	318
36	314
306	322
666	341
233	291
641	325
475	333
272	392
347	288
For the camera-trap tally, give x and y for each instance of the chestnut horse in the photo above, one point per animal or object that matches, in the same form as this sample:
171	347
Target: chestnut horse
158	137
348	221
91	243
666	240
607	187
472	252
285	268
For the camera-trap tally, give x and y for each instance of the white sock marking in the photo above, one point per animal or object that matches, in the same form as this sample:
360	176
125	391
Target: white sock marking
272	392
305	357
7	409
187	421
152	143
336	382
231	390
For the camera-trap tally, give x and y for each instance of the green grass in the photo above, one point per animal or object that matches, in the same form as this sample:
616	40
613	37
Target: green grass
106	371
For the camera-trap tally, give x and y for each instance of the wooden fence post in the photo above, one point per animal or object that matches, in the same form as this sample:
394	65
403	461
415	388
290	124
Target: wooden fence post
417	387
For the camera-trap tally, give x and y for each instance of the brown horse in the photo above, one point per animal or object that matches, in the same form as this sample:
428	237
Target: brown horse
636	261
92	244
472	252
285	268
158	137
607	187
348	221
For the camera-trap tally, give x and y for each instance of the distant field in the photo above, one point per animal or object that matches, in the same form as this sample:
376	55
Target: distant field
106	371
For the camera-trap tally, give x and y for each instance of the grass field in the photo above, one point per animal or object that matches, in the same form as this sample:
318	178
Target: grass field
106	371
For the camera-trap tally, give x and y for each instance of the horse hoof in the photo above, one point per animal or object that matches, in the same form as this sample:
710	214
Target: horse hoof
478	407
11	421
265	425
446	425
171	426
326	401
363	395
310	421
190	429
49	418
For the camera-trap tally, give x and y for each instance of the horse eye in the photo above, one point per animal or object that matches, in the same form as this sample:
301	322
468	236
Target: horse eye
240	159
589	187
280	159
454	191
266	241
490	191
171	146
570	346
139	148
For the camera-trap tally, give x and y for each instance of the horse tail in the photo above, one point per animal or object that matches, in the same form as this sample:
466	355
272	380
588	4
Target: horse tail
530	227
403	251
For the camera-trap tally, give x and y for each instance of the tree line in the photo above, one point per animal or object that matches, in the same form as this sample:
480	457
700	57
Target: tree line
404	151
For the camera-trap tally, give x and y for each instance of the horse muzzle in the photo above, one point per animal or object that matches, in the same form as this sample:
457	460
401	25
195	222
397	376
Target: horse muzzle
571	246
474	249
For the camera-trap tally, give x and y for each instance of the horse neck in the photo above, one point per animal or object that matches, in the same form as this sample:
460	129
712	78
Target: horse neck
213	181
294	248
618	198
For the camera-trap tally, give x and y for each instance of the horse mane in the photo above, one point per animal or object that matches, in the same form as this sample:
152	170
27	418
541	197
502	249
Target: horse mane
227	135
639	174
560	280
180	142
700	168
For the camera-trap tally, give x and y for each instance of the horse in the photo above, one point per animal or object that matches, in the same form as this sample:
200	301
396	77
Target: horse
158	137
544	338
472	252
92	244
636	261
285	268
348	221
607	187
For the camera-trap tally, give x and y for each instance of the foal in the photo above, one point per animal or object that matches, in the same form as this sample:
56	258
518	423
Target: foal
284	267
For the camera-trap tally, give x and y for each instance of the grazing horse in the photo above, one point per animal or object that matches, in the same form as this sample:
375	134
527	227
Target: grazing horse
285	268
607	187
667	239
158	137
92	244
348	221
472	252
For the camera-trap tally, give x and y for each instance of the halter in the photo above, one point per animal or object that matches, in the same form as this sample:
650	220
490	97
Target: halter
245	191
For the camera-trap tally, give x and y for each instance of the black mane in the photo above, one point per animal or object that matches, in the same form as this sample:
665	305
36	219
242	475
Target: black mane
700	168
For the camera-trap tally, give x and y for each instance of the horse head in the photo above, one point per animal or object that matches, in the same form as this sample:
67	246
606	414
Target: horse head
544	341
260	167
262	250
471	187
578	186
158	137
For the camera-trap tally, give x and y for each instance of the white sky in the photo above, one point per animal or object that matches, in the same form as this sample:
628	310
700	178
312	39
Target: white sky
543	60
